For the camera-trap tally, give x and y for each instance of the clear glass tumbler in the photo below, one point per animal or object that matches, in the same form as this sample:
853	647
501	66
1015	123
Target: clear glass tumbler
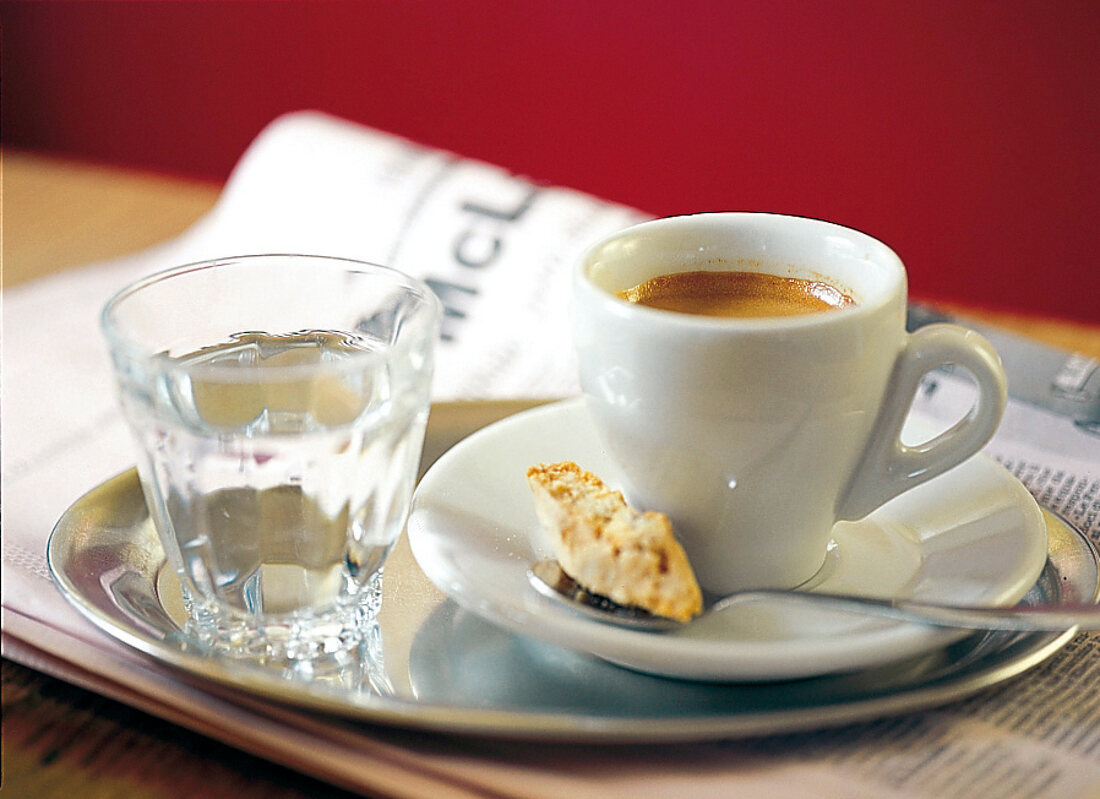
279	405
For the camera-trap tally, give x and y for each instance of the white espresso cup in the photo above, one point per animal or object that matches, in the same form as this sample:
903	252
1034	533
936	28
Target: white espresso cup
757	435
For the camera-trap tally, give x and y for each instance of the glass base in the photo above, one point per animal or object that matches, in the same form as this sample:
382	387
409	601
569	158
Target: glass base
305	643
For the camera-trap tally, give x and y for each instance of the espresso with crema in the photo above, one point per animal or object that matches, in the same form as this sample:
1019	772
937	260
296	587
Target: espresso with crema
737	294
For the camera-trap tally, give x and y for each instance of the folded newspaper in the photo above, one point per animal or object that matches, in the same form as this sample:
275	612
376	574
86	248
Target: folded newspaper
497	248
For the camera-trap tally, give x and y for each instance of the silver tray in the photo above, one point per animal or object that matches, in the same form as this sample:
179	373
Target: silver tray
434	666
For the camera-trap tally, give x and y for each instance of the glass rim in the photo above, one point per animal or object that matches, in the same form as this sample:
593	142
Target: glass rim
425	315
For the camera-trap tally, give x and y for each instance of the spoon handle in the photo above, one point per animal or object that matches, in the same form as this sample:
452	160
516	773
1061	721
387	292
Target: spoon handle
1031	618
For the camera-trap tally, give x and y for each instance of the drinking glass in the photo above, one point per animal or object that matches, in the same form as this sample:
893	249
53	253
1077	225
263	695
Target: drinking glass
278	403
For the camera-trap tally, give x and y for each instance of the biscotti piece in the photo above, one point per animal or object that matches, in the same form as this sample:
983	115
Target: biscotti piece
609	548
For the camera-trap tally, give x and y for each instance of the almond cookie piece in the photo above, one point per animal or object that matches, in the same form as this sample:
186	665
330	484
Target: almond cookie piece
609	548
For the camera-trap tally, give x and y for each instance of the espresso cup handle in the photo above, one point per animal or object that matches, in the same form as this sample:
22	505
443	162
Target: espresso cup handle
888	466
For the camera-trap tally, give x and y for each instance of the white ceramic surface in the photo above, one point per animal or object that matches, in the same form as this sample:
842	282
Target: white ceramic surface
972	536
774	427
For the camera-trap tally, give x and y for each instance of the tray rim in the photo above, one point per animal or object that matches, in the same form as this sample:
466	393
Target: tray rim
228	678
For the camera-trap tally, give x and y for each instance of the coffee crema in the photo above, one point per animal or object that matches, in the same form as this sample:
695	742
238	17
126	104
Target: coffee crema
737	294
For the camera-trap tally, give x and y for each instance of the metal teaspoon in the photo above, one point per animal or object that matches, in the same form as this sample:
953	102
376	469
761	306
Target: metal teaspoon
549	580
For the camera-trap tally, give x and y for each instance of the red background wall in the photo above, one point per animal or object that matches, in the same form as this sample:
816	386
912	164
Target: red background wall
964	134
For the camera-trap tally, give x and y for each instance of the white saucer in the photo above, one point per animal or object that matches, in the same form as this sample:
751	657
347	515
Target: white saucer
971	536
